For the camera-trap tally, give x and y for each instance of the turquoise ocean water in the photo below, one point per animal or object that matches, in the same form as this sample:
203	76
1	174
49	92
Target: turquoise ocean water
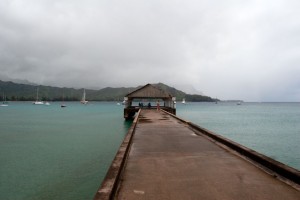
272	129
48	152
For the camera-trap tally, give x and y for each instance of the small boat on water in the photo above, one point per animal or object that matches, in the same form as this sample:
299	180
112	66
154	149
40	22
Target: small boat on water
47	104
37	102
239	103
63	105
83	100
183	101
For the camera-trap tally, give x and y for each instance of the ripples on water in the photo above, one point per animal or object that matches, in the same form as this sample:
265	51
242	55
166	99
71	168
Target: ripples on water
49	152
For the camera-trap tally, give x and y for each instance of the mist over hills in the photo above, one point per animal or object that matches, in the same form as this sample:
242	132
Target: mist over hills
27	92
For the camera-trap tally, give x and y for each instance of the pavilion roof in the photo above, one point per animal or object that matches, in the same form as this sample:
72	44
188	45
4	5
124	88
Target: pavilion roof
149	91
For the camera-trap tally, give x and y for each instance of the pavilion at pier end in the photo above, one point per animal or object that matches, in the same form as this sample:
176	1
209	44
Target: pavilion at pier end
147	97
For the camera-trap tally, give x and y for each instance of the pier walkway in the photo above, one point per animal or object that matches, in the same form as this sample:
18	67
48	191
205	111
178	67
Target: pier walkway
170	160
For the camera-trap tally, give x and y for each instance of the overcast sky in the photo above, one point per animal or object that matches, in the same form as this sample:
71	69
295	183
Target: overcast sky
229	49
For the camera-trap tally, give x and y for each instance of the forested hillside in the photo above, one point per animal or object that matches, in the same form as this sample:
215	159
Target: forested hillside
24	92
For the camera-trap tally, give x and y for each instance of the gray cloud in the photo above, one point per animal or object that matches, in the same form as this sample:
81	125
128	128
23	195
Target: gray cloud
229	50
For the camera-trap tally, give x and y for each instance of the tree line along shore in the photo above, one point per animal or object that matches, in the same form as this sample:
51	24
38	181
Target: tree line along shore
25	92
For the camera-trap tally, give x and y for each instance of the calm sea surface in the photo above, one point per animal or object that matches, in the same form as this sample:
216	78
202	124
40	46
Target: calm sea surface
272	129
48	152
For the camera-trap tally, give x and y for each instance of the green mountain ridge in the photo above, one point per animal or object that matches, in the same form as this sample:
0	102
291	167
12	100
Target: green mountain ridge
23	92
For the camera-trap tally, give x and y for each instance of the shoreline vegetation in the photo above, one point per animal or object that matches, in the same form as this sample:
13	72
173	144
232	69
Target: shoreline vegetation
25	92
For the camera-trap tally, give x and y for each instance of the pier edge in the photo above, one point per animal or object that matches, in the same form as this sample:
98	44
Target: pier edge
284	172
110	182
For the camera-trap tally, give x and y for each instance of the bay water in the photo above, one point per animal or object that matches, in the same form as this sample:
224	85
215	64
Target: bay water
49	152
272	129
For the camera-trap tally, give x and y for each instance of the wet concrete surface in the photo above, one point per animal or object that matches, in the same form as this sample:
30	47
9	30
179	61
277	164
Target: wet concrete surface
167	160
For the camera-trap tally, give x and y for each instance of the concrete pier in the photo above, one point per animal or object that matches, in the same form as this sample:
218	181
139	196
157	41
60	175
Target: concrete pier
167	158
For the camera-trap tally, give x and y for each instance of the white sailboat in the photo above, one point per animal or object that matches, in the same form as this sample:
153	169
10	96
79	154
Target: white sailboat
83	101
183	101
37	102
4	103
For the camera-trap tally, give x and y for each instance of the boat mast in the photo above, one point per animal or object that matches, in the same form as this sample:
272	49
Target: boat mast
37	94
83	97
